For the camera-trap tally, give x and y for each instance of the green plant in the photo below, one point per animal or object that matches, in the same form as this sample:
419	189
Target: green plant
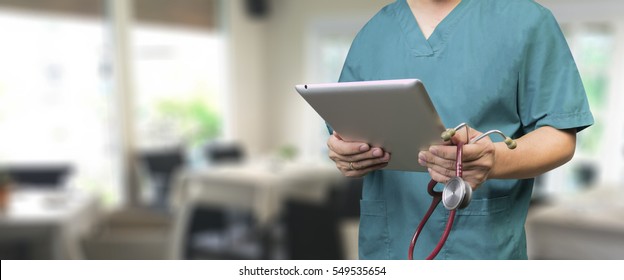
288	152
197	120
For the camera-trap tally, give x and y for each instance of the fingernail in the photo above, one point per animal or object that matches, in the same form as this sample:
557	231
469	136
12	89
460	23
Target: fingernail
377	152
386	157
364	148
433	150
421	158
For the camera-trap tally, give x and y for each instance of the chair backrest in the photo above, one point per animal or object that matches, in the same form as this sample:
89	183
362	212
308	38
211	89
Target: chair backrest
38	175
159	167
312	231
162	162
219	153
346	198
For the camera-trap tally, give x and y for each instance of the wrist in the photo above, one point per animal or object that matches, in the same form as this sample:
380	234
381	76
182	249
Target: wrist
499	165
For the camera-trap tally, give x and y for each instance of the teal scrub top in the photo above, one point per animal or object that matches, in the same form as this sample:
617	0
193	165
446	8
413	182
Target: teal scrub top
494	64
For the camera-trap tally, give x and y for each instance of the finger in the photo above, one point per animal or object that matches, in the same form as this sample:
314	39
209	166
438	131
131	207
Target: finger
445	152
440	178
337	135
374	153
426	158
363	164
341	147
465	135
476	151
446	172
362	172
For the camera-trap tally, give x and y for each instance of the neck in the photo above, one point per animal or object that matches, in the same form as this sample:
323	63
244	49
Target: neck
434	3
429	13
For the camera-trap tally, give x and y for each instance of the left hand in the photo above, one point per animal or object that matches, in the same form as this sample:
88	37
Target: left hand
478	159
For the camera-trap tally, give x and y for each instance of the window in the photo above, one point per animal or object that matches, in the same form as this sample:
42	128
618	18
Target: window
593	51
55	105
57	101
180	82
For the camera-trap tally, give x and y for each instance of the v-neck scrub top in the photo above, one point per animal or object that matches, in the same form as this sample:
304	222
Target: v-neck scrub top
494	64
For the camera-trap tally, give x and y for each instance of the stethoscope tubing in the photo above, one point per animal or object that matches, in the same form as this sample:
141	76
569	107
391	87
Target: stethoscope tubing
436	199
447	230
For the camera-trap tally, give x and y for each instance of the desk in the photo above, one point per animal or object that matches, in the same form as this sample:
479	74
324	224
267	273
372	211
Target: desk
55	219
589	225
258	187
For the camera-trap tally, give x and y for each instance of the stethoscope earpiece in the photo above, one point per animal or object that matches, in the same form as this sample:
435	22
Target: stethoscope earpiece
511	144
448	134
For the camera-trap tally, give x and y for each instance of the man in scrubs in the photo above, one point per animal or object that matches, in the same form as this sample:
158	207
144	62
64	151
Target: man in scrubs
494	64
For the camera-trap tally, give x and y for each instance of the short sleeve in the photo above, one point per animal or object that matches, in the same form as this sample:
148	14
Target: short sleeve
550	90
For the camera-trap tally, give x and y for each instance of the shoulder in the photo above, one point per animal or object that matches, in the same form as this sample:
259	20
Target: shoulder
523	20
526	12
381	28
383	21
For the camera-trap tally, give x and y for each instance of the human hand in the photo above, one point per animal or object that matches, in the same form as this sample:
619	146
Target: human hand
355	159
478	159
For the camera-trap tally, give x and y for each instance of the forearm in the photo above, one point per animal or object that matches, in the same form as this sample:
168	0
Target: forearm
538	152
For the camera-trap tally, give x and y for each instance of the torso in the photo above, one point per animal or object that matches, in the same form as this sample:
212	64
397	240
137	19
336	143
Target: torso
473	61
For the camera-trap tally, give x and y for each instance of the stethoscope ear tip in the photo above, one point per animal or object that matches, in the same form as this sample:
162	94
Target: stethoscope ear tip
448	134
511	144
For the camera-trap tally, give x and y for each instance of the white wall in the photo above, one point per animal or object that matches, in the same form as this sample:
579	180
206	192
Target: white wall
585	10
269	58
246	43
292	22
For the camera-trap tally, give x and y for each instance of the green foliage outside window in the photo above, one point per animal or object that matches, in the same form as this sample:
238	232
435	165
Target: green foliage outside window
594	53
197	120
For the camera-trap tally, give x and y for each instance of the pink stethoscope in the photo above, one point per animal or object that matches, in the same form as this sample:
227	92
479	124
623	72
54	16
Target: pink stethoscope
456	194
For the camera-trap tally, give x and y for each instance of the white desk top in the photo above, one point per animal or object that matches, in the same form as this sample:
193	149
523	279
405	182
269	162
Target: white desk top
44	207
600	209
256	185
63	215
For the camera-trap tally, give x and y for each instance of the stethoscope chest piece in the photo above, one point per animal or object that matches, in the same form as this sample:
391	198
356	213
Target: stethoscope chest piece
456	194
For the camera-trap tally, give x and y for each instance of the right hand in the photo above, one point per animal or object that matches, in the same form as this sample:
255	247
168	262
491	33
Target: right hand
356	159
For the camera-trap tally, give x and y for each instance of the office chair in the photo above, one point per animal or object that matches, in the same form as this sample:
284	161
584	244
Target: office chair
313	228
312	231
39	175
217	232
160	167
346	199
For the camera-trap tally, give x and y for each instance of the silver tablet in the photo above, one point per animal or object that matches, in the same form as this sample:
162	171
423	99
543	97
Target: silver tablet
396	115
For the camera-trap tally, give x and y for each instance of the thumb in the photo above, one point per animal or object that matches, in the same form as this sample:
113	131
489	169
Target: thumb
464	135
337	135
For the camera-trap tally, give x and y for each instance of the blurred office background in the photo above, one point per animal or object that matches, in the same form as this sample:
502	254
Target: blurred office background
153	129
